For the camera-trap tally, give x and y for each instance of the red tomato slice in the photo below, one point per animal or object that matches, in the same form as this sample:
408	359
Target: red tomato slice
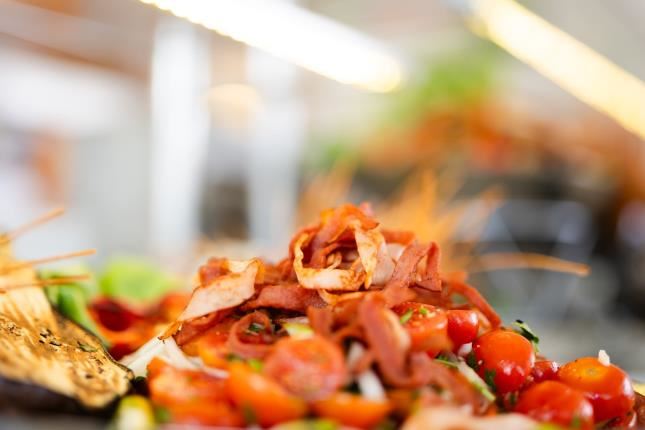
556	403
426	325
504	358
608	388
310	368
260	398
352	410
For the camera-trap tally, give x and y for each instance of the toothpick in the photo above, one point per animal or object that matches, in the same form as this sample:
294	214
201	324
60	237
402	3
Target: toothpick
29	263
11	235
45	282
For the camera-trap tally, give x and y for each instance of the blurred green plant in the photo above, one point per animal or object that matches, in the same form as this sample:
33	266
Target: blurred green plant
134	280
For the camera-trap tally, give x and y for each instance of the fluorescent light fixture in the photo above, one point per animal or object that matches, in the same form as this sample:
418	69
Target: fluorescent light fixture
297	35
572	65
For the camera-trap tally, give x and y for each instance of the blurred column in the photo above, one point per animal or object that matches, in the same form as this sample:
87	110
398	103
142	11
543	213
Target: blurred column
276	136
179	80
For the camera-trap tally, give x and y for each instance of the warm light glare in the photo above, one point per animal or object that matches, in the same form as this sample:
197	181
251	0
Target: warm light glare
575	67
297	35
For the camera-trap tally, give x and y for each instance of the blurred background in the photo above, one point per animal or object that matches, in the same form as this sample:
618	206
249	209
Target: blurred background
219	127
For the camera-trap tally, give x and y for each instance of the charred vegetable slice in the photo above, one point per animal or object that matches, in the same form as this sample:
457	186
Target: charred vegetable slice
47	361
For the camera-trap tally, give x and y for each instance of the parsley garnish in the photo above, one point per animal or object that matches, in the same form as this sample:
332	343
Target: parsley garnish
255	364
489	377
524	329
230	357
255	328
512	399
424	311
162	415
576	422
471	360
406	316
249	414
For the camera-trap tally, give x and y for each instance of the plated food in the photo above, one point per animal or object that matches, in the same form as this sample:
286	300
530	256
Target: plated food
357	327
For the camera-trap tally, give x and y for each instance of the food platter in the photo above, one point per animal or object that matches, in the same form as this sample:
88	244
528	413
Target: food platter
357	326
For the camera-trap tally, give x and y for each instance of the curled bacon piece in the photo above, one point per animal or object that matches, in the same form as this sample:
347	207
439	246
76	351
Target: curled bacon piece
252	336
324	279
396	291
475	298
321	320
287	296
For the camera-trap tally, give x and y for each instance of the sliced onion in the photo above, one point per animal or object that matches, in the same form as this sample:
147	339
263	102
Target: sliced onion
603	357
368	382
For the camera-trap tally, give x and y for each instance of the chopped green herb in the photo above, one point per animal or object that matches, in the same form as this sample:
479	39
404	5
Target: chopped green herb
446	362
233	357
576	422
162	415
512	399
387	424
249	414
406	316
489	377
524	329
255	328
471	360
255	364
85	347
424	311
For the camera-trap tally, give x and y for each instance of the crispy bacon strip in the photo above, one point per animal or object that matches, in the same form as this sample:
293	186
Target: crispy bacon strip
396	291
475	298
225	291
288	296
247	341
321	320
431	279
335	223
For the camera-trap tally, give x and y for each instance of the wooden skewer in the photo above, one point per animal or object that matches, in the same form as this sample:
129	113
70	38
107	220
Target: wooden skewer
29	263
45	282
11	235
499	261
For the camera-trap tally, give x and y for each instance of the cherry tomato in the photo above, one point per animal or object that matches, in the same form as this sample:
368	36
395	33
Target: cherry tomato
262	398
352	410
504	358
310	368
463	326
191	397
556	403
169	385
545	370
113	315
172	305
211	347
608	388
219	414
426	325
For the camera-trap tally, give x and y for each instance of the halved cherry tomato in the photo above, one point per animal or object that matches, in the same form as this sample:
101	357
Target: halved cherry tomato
218	414
426	325
169	386
114	315
191	397
211	345
310	368
463	326
504	358
608	388
556	403
261	397
545	370
352	410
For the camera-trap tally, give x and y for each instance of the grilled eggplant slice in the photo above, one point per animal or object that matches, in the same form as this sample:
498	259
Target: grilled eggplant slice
48	362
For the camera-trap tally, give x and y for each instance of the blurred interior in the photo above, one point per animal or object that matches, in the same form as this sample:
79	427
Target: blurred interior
168	140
